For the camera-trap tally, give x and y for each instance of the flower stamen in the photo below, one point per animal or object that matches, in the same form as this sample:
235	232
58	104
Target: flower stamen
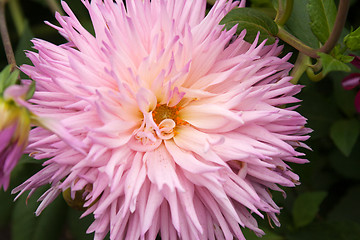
163	112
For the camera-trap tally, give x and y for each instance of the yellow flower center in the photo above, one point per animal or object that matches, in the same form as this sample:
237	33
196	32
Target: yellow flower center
163	112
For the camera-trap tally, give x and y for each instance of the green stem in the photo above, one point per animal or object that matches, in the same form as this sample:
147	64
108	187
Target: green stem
5	36
283	14
338	26
300	67
280	11
329	44
317	66
296	43
17	15
314	77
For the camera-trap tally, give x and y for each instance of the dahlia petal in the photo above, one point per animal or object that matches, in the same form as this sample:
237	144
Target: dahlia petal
268	175
5	181
47	198
164	229
13	156
187	203
104	204
172	200
193	140
237	194
146	100
63	133
133	231
161	169
266	136
187	160
154	201
167	229
222	119
248	220
117	158
134	180
15	92
111	142
216	211
5	136
138	146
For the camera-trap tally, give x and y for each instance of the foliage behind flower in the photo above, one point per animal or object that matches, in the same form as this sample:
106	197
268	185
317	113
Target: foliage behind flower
184	130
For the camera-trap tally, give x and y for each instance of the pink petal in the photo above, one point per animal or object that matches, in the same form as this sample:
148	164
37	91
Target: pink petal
351	81
161	169
222	119
187	160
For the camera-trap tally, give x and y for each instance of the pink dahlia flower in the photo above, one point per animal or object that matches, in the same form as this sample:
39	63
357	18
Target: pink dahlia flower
185	132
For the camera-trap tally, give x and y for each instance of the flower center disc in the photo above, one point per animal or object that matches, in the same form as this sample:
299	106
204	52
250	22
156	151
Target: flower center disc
163	111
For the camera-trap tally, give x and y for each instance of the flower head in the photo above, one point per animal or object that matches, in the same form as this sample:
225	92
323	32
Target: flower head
14	131
184	130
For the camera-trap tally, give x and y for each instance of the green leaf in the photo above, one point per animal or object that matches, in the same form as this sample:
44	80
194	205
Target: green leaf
344	134
352	40
4	75
261	3
12	79
306	206
8	78
253	21
31	90
345	58
339	54
26	226
322	14
329	64
299	24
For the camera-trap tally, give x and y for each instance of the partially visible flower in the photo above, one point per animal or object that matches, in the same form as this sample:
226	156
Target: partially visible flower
14	131
15	121
353	80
